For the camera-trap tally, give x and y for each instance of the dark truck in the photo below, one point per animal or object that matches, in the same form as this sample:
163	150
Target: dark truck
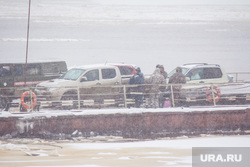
12	77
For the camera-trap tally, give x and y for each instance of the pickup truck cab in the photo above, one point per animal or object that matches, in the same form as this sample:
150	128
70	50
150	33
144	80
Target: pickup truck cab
91	80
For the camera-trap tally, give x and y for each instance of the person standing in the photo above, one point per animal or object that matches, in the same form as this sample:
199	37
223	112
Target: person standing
176	78
138	79
156	80
162	71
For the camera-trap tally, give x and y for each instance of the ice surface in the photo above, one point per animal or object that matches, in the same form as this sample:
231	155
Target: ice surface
186	143
91	32
10	146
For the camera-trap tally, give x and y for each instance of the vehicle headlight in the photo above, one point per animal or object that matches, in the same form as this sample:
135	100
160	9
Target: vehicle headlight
41	88
52	89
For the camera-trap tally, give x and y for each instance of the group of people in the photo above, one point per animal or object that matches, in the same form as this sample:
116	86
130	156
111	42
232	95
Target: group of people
157	82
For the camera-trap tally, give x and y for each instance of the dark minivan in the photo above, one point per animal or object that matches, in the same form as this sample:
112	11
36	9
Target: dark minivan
12	77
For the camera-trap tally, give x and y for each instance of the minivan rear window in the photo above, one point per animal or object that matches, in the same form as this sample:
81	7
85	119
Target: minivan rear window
18	70
210	73
5	71
33	69
204	73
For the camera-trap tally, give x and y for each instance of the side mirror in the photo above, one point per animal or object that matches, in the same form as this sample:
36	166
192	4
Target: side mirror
83	79
188	79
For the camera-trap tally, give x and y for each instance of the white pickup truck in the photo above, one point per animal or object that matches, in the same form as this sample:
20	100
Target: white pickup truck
91	80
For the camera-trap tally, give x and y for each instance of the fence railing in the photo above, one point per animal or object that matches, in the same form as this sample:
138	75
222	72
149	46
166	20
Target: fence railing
124	95
240	76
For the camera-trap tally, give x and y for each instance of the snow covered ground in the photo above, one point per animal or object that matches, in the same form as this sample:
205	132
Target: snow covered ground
108	151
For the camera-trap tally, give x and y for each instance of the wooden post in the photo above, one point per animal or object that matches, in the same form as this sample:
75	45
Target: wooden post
172	95
125	97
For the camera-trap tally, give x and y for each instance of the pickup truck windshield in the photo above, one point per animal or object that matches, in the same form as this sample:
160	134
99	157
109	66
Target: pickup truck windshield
73	74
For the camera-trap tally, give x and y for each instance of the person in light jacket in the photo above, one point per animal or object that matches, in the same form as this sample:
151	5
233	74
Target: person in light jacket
163	72
156	80
177	78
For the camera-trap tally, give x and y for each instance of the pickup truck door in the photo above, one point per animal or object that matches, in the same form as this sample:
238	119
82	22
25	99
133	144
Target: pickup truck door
110	76
88	83
99	83
110	81
90	78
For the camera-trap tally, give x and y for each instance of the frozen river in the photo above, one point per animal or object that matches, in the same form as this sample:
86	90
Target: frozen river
144	34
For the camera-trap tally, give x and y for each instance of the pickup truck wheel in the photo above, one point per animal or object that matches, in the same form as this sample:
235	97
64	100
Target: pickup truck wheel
70	97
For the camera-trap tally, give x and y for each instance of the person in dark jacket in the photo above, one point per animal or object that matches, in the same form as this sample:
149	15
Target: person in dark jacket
137	79
176	78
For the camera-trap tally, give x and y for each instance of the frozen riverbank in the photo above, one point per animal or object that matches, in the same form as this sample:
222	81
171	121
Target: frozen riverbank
128	123
109	152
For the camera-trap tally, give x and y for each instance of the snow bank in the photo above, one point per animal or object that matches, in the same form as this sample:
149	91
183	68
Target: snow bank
10	146
54	113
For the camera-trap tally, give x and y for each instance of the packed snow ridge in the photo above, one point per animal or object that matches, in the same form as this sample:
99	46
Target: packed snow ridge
54	113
